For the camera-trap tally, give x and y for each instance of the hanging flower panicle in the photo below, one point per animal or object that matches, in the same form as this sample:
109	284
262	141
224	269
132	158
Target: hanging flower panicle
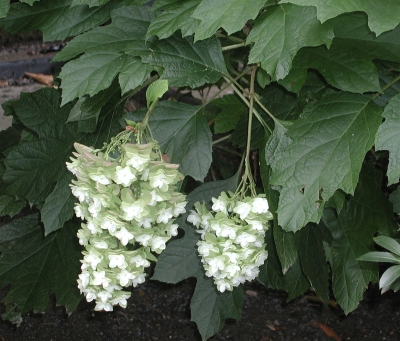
129	204
232	244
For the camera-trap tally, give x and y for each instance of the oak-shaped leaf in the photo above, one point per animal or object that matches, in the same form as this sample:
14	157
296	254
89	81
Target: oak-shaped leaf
329	144
37	266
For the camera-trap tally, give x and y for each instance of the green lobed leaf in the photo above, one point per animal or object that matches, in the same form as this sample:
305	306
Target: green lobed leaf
10	206
184	135
232	109
35	169
175	15
295	282
395	200
280	32
156	90
184	63
128	25
313	260
90	3
4	7
382	16
231	15
328	148
352	231
180	260
37	267
211	308
133	74
340	68
388	138
45	13
90	74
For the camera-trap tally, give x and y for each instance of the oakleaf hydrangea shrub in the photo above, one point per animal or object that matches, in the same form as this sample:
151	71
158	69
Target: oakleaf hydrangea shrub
129	204
232	246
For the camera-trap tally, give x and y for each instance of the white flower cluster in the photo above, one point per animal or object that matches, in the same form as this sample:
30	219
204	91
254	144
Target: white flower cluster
128	200
232	244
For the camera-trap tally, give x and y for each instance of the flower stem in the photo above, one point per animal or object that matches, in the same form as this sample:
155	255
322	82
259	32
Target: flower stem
387	86
231	47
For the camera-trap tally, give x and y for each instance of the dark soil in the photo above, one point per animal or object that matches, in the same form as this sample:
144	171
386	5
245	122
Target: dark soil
158	311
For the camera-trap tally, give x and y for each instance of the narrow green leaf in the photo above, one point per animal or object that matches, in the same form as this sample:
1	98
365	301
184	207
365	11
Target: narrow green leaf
381	16
175	15
43	14
156	90
352	231
388	138
37	267
378	256
231	15
232	109
4	7
328	148
313	260
184	63
90	74
280	32
389	276
389	244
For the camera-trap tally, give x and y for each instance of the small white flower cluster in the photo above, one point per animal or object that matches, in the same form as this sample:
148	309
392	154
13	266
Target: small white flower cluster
232	244
127	200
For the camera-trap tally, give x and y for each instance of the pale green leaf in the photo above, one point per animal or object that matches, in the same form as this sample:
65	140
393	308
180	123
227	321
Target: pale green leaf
133	74
156	90
128	24
232	109
388	243
328	148
175	15
382	16
280	32
377	256
231	15
45	13
340	68
388	138
4	7
37	267
90	3
352	231
313	260
184	63
389	276
90	74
